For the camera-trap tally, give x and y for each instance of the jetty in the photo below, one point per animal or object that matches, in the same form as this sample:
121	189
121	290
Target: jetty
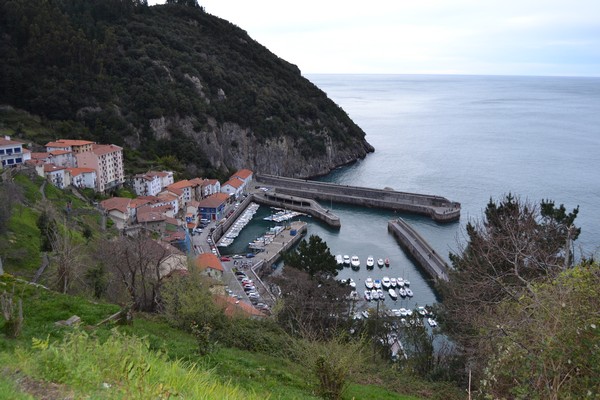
419	249
437	208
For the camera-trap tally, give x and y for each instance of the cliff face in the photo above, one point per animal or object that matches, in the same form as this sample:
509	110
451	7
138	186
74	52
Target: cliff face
169	80
229	146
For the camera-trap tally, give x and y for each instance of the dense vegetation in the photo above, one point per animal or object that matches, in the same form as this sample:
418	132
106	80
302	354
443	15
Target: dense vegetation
103	70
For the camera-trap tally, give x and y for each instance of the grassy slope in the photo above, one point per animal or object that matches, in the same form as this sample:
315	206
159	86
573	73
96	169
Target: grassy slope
245	373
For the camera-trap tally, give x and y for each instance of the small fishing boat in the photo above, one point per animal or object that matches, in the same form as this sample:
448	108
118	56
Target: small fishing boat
409	292
370	262
377	284
367	295
381	294
393	282
369	283
374	294
387	262
380	262
393	294
385	282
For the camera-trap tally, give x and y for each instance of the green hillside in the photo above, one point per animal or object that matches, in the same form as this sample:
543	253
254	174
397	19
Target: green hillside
160	81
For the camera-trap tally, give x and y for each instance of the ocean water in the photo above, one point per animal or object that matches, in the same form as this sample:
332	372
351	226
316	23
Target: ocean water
469	139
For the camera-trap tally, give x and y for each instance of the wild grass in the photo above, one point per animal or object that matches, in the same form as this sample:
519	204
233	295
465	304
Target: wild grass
121	366
23	242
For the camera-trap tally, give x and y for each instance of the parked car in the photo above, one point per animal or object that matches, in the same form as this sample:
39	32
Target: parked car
240	273
250	255
237	256
225	258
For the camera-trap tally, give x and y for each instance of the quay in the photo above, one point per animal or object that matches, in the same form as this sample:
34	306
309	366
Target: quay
295	203
419	249
437	208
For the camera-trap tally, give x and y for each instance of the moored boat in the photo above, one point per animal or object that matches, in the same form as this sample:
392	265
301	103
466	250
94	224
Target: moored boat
409	292
374	294
381	294
402	292
380	262
387	262
369	283
432	322
385	282
393	282
393	294
346	259
370	262
377	284
339	259
367	295
355	262
400	282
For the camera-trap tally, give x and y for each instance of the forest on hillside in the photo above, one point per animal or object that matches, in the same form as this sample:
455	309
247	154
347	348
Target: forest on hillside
105	70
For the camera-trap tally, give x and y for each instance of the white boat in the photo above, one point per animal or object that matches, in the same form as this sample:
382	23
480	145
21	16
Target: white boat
408	312
409	292
370	261
346	259
393	282
380	262
377	284
355	262
402	292
385	282
400	282
406	282
421	310
381	294
365	314
369	283
351	282
432	322
339	259
403	312
393	294
367	295
374	294
353	295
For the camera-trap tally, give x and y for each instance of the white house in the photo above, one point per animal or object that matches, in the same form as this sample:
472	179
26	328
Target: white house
12	152
152	182
107	160
209	187
233	187
83	177
57	176
245	175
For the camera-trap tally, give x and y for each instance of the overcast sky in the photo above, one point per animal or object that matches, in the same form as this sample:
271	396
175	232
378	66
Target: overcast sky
486	37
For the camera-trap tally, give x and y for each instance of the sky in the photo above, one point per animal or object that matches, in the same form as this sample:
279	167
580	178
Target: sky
472	37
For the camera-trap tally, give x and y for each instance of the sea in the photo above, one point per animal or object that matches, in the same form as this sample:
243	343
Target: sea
469	139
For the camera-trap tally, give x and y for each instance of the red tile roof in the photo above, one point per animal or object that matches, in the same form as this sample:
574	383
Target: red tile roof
208	260
68	142
60	152
79	171
116	203
52	168
101	149
180	184
214	200
9	141
232	307
39	155
243	174
234	182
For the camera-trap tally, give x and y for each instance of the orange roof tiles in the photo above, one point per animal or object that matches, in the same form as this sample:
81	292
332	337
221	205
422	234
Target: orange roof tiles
208	260
231	307
243	174
116	203
79	171
9	142
39	155
100	149
52	168
234	182
68	142
214	200
60	152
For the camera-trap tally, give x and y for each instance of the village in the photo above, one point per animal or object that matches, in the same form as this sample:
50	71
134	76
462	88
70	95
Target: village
180	215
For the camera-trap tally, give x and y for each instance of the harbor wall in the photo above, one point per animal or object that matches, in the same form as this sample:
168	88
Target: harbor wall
419	249
297	203
438	208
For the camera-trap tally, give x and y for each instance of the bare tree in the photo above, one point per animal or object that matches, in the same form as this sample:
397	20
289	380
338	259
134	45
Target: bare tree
134	264
66	261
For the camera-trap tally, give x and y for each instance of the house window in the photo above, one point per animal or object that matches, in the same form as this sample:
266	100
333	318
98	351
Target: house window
17	149
19	160
1	151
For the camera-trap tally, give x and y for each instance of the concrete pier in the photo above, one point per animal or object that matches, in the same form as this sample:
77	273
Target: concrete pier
308	206
438	208
419	249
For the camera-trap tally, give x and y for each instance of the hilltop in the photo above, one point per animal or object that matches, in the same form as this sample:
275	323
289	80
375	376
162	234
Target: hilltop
167	81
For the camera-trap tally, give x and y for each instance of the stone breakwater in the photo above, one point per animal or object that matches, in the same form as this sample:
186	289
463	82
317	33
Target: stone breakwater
419	249
437	208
